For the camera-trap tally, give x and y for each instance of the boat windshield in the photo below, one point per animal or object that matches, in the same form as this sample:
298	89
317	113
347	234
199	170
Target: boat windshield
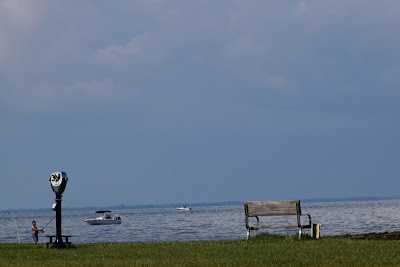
103	211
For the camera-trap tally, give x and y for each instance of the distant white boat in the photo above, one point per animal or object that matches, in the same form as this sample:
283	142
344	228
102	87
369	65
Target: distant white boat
105	219
184	208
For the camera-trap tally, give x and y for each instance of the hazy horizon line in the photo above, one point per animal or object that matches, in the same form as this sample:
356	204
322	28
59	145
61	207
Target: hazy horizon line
197	204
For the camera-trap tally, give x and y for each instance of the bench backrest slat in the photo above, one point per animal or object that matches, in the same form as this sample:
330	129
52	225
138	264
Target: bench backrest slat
272	208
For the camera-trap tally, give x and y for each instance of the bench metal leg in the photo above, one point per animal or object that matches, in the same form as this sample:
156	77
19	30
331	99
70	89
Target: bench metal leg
300	232
248	234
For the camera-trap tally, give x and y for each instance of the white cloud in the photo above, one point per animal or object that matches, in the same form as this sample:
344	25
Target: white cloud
246	48
21	14
48	97
115	53
278	82
252	61
272	44
302	8
18	20
3	51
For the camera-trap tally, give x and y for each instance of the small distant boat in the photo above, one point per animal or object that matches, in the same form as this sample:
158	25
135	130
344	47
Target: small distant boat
105	219
184	208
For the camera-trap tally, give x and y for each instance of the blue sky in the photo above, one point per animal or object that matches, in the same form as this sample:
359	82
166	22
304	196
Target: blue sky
156	102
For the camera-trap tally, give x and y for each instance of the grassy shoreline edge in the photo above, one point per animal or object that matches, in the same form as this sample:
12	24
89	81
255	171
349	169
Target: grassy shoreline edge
263	250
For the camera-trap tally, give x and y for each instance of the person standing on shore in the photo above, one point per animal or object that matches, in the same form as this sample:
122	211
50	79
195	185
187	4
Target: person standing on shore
35	232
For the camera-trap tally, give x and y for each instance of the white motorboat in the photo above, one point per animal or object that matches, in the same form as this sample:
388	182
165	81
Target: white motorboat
105	219
184	208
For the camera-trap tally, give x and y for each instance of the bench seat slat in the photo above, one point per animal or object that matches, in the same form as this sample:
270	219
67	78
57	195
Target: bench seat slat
273	227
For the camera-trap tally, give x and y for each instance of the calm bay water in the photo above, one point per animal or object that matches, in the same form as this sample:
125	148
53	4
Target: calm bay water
202	223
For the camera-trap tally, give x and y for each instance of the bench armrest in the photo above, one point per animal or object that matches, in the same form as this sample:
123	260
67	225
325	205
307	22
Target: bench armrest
306	225
248	223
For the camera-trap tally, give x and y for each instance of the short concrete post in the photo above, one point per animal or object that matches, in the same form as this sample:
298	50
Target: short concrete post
315	230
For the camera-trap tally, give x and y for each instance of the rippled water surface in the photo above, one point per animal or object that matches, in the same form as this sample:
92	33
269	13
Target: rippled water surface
202	223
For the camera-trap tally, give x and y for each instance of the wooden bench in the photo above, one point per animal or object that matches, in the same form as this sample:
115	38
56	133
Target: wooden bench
273	208
65	237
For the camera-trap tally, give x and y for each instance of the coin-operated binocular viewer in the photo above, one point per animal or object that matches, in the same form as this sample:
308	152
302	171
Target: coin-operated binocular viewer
58	181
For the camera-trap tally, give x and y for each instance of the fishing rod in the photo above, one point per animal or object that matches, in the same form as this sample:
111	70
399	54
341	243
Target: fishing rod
41	230
16	227
7	213
15	222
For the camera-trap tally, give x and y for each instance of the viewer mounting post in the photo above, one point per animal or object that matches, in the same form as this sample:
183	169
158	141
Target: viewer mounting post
58	181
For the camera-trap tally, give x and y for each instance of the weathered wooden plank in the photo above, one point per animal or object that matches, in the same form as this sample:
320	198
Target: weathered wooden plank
256	227
271	208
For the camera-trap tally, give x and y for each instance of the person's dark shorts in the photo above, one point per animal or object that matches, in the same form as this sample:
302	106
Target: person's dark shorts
35	238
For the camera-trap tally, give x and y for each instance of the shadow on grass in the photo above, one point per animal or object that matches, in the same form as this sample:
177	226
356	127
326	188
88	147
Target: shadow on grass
275	237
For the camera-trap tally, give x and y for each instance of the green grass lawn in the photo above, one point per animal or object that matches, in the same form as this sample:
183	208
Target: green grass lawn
259	251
